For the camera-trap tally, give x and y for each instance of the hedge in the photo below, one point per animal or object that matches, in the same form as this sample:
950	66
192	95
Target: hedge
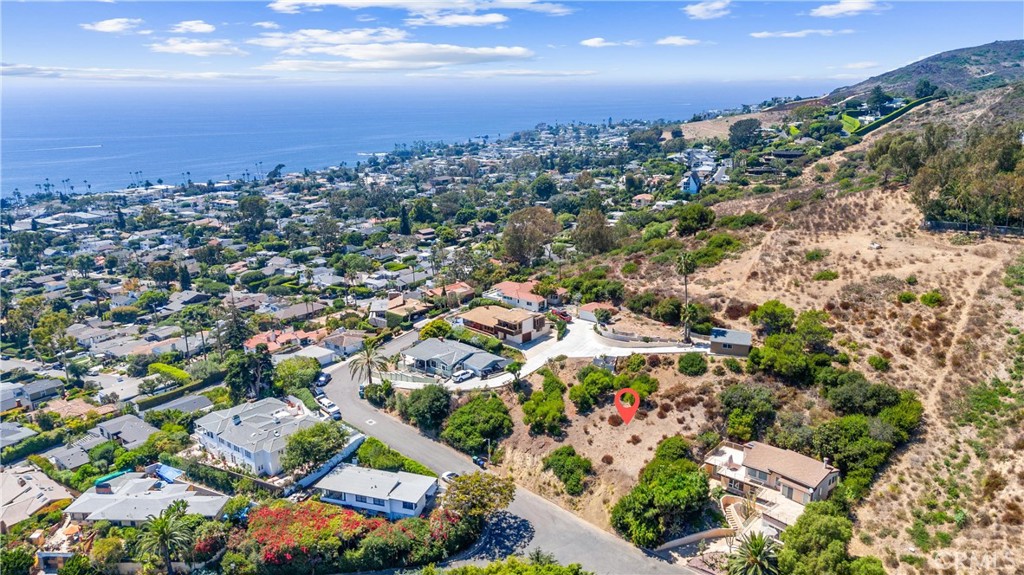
32	445
150	402
864	130
179	376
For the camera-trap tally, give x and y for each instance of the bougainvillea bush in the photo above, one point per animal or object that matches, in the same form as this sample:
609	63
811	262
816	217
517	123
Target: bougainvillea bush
312	537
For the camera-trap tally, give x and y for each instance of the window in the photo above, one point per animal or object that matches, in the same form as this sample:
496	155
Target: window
360	499
726	346
379	502
407	505
342	498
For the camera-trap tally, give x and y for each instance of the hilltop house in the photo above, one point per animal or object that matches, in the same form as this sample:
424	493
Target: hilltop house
444	357
749	468
520	294
512	325
253	435
393	494
730	342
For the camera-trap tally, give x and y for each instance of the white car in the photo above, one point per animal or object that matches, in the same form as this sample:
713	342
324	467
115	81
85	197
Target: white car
463	375
449	476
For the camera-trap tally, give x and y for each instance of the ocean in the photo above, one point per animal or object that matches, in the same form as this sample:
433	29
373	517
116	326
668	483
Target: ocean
100	137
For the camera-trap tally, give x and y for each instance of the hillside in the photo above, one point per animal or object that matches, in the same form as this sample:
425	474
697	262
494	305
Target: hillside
963	70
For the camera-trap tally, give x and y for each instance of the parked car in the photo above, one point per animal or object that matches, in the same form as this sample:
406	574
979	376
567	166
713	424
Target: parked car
479	461
461	375
561	315
362	391
323	380
449	476
318	393
326	415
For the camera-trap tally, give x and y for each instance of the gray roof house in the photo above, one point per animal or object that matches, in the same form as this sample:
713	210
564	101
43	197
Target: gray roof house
42	388
128	430
253	435
392	494
730	342
187	404
12	433
444	357
129	499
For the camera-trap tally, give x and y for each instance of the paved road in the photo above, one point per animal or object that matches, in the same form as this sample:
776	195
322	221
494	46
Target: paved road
532	521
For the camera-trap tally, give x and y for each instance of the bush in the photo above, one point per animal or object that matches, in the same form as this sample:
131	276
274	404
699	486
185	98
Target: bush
774	316
569	467
906	297
733	365
629	268
825	276
483	418
815	255
373	453
170	373
544	411
693	364
427	407
879	363
933	298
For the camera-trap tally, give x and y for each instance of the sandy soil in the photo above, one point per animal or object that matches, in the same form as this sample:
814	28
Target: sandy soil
719	127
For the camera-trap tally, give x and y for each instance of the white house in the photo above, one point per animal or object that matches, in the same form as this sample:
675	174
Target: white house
518	294
389	493
130	499
253	435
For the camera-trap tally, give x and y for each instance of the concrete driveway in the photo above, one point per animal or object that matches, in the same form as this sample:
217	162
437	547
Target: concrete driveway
531	522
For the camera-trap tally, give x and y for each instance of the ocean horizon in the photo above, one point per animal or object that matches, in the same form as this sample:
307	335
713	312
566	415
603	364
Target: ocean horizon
98	138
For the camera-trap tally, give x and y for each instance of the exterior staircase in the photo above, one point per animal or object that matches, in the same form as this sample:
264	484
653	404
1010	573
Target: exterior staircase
732	516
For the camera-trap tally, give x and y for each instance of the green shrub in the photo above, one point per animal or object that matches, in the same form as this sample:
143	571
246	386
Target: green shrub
629	268
569	467
171	373
544	411
933	298
879	363
815	255
693	364
373	453
733	365
911	280
906	297
483	418
825	276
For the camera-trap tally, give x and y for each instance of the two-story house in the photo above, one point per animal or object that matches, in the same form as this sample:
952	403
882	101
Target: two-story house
393	494
514	325
751	467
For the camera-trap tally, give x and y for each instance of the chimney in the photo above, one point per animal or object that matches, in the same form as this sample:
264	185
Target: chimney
104	489
236	419
826	463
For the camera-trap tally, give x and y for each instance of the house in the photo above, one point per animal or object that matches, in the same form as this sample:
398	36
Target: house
127	430
518	294
321	354
12	395
459	291
588	311
25	490
277	339
129	499
642	200
40	389
751	467
393	494
13	433
514	325
186	404
692	184
253	435
346	342
397	306
426	235
299	311
444	357
730	342
178	300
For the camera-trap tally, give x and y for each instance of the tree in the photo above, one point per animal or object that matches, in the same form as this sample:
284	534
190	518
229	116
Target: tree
16	561
592	234
744	134
367	361
296	373
816	543
544	187
251	212
479	495
162	272
811	329
248	374
310	448
108	551
924	88
404	225
526	233
694	217
77	565
184	278
233	329
436	328
755	555
877	99
774	317
472	427
167	534
427	406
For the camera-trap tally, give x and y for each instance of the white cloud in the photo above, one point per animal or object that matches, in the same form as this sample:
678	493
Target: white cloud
107	74
114	25
451	20
861	65
677	41
506	73
602	43
192	27
799	33
708	10
310	41
200	48
267	25
399	56
847	8
425	8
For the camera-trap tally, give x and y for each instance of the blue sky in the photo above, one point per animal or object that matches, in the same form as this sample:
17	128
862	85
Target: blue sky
472	42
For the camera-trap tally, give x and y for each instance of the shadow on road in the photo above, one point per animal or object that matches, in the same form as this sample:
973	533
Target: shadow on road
506	534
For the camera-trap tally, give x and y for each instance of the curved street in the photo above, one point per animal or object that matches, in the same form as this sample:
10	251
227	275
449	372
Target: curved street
532	521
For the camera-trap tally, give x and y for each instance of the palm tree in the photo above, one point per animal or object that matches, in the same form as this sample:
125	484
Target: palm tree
368	360
166	534
754	556
687	265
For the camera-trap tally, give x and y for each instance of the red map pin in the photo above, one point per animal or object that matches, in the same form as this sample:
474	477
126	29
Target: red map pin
627	411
